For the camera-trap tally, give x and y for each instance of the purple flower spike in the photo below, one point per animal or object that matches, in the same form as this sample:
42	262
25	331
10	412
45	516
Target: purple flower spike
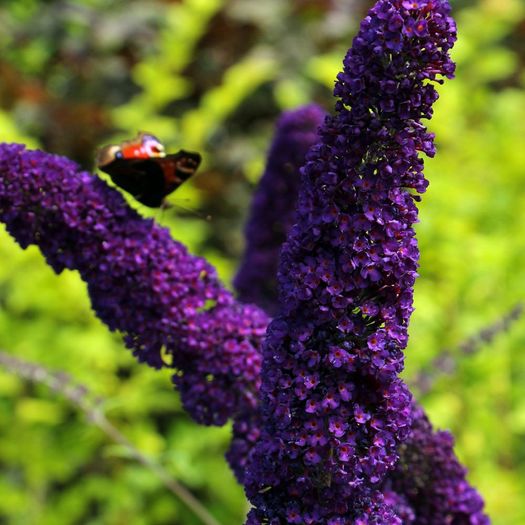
141	282
432	480
272	212
346	280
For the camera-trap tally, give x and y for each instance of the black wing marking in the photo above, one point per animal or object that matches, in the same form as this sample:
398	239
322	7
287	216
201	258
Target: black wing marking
150	180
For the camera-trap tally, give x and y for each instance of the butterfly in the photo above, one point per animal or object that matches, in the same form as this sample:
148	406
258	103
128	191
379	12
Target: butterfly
141	167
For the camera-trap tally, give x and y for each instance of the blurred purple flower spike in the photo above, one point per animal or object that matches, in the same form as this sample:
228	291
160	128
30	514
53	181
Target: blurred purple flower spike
431	479
272	211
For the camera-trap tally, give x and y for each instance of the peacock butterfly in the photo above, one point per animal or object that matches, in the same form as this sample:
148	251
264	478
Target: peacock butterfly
141	167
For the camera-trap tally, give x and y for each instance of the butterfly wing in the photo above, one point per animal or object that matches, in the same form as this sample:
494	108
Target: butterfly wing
146	185
150	180
177	168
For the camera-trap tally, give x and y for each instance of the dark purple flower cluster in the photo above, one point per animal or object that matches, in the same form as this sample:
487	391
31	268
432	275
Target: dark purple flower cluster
271	214
218	358
245	435
432	480
400	506
427	460
141	282
333	407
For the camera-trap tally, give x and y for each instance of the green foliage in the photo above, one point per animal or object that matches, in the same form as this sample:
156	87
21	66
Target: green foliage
212	75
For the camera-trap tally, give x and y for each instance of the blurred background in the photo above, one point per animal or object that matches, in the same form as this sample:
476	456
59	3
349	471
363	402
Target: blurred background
212	76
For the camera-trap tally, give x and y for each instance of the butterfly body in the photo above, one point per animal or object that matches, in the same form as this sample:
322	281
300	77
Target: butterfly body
141	167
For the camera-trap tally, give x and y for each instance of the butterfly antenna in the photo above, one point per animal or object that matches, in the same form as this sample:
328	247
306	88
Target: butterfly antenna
191	211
